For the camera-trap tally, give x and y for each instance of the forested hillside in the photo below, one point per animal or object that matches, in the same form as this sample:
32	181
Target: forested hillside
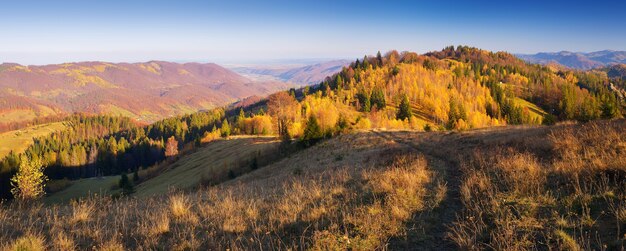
453	89
147	91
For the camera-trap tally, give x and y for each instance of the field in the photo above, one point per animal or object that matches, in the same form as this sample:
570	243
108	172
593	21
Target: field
18	140
507	188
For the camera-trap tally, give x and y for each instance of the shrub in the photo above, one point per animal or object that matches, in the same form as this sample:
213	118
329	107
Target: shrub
29	181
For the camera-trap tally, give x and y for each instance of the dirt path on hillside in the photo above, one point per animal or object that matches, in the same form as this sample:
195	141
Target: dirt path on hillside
433	234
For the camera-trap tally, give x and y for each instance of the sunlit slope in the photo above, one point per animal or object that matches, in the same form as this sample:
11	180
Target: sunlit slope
18	140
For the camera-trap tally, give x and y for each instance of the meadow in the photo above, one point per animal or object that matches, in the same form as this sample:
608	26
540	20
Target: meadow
517	188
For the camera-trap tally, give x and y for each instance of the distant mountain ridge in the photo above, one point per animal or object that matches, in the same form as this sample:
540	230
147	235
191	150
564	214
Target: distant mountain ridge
300	75
144	91
577	60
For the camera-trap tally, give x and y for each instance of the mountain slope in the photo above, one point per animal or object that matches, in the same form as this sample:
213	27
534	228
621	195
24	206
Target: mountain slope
145	91
578	60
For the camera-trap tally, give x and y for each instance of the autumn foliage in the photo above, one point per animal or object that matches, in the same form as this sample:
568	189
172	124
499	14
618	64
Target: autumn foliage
171	147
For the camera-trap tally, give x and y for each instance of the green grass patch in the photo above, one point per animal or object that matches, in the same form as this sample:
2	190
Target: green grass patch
83	188
210	164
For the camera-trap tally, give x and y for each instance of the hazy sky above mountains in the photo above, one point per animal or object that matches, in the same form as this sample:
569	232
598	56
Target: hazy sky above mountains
41	32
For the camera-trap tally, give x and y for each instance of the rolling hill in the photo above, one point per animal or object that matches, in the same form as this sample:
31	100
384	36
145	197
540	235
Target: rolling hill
144	91
578	60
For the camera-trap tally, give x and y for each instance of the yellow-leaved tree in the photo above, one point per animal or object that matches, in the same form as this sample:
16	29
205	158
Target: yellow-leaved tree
29	181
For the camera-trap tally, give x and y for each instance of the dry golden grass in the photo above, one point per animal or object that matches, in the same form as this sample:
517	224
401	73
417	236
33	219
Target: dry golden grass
63	242
567	198
82	211
359	201
507	189
179	206
28	242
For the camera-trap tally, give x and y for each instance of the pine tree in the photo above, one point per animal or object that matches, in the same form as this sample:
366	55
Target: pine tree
366	63
379	59
608	107
378	98
125	184
404	111
364	100
225	128
339	82
313	132
242	115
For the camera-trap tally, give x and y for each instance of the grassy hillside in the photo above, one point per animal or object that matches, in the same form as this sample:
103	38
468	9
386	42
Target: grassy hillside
18	140
84	188
535	112
215	162
211	164
522	187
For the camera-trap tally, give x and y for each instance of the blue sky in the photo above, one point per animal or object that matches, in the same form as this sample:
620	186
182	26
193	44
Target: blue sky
41	32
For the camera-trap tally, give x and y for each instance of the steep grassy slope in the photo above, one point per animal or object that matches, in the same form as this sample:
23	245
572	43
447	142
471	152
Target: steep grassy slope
215	162
211	164
17	141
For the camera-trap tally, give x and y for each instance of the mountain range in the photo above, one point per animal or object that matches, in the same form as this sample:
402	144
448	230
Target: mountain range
144	91
299	74
577	60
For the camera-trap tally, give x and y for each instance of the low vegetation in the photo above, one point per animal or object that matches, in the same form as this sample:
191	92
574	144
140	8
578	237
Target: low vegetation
572	197
559	187
362	202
